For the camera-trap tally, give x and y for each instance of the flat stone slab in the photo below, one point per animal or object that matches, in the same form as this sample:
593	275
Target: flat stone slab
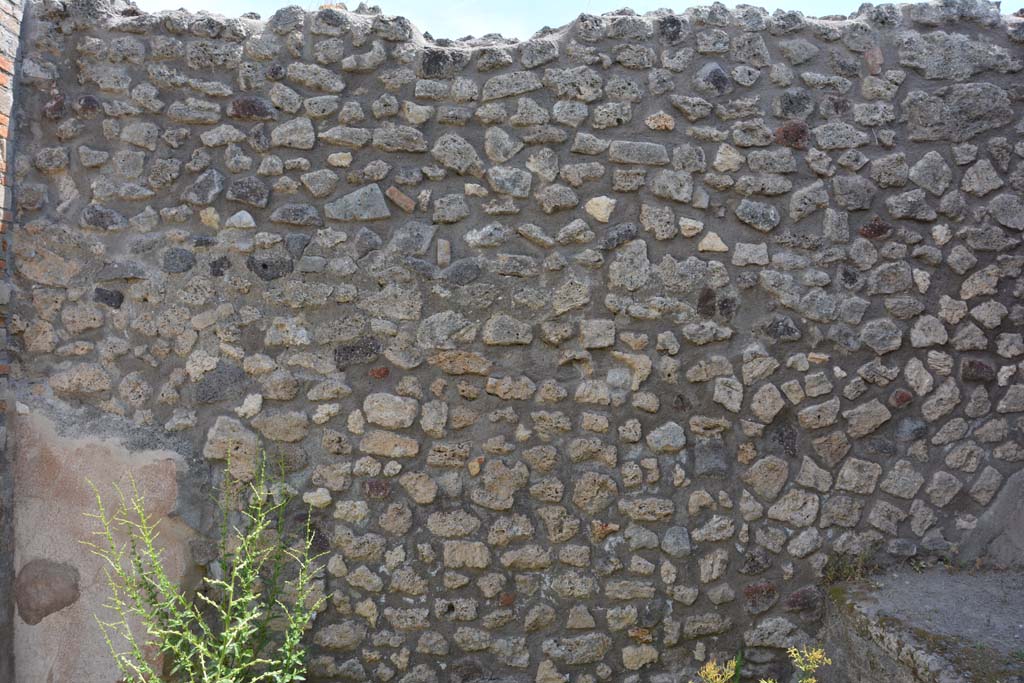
936	625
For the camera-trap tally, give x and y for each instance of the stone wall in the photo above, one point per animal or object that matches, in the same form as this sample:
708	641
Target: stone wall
588	352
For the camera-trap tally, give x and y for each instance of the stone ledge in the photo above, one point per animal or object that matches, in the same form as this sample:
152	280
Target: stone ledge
923	627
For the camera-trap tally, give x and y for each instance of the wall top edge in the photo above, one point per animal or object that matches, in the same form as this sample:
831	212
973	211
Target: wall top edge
126	17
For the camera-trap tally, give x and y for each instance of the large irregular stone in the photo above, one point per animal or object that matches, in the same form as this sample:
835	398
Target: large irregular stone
229	440
758	215
456	153
938	55
297	134
43	587
388	410
957	112
365	204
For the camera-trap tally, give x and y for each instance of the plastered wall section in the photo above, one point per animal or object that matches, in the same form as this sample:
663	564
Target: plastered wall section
590	353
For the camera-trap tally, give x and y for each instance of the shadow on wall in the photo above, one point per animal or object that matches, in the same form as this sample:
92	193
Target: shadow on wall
59	587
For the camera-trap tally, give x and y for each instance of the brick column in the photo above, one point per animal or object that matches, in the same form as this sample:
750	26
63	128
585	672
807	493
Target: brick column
10	30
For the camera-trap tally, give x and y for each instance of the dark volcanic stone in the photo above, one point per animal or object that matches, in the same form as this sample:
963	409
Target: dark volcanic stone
360	351
249	190
781	328
269	266
108	297
441	63
219	266
712	78
462	272
226	382
755	561
178	260
275	72
259	139
296	243
100	217
672	29
706	302
977	370
88	106
252	108
709	457
781	441
619	235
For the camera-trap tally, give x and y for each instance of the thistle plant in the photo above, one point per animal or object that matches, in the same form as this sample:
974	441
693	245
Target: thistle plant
806	660
713	672
245	622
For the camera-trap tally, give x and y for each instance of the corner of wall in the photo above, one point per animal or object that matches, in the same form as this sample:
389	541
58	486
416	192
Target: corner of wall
10	30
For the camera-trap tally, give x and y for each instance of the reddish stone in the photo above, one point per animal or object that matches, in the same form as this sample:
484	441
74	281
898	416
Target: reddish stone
794	134
377	489
507	599
760	596
875	229
44	587
808	602
252	108
55	108
900	398
874	59
977	370
404	201
379	373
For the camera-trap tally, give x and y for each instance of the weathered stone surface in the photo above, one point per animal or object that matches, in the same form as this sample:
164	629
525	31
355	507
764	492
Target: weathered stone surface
959	113
456	153
365	204
758	215
796	508
286	426
387	410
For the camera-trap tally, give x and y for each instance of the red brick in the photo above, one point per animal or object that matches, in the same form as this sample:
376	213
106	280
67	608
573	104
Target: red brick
403	200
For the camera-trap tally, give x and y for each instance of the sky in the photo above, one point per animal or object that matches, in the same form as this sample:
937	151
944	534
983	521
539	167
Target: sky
512	18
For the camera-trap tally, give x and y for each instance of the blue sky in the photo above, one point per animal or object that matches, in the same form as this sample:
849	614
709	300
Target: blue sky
511	18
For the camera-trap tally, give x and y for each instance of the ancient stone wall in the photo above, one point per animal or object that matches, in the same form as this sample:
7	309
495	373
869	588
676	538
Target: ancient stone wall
588	352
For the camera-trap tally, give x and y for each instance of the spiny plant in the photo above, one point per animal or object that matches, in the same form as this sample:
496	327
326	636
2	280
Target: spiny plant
244	624
806	660
713	672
